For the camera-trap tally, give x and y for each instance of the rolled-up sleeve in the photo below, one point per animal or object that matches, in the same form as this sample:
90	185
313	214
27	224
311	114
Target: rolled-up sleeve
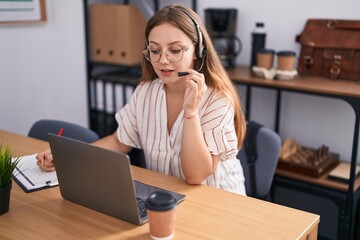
127	130
221	140
219	130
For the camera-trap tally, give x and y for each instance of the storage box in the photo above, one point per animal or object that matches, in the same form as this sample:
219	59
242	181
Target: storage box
117	34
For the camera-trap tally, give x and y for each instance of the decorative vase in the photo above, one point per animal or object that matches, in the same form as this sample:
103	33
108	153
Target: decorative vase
5	198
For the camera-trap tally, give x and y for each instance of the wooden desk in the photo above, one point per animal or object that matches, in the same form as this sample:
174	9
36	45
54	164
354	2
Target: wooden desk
206	213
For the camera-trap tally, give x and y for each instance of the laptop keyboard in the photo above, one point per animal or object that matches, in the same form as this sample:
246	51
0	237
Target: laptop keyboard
141	207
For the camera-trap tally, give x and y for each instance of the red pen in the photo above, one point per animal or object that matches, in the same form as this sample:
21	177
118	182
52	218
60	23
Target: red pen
60	131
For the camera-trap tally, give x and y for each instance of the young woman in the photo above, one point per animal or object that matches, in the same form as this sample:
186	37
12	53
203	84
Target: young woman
185	114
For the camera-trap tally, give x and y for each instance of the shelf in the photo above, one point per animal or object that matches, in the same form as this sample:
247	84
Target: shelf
310	84
321	181
346	90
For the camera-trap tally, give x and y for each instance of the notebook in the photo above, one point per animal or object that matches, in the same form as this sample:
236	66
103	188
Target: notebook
30	177
100	179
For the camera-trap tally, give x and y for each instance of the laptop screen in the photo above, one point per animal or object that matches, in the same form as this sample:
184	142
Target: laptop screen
99	179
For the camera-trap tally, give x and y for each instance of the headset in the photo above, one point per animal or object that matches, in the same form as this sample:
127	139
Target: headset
200	48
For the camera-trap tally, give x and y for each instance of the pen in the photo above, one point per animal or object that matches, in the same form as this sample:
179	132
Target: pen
51	184
46	162
181	74
60	131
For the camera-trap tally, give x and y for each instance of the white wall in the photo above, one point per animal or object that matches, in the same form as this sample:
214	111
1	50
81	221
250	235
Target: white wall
45	67
311	120
42	69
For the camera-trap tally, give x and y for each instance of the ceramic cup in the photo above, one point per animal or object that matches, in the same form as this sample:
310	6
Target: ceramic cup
286	60
161	209
265	58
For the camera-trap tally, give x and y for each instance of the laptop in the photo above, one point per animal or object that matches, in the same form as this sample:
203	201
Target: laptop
100	179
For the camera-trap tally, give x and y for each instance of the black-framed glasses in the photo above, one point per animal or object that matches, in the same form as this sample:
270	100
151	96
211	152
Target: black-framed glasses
173	54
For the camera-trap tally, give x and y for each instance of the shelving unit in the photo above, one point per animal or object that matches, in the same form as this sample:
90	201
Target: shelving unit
345	196
109	92
107	84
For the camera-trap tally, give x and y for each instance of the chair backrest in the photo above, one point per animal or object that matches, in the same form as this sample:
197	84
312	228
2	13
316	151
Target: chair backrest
268	145
41	128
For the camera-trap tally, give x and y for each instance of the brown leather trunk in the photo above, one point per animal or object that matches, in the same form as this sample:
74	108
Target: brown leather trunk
330	48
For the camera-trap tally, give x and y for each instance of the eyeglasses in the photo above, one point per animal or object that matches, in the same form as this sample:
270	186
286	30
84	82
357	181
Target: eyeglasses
173	54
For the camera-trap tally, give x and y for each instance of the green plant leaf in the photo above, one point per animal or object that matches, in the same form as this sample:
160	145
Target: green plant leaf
7	165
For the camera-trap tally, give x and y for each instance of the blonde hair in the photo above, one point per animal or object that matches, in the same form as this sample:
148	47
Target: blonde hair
215	75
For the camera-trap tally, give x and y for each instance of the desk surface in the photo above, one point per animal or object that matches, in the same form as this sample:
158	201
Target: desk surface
207	213
311	84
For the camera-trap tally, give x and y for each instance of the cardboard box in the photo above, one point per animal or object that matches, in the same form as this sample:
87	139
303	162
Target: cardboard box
117	34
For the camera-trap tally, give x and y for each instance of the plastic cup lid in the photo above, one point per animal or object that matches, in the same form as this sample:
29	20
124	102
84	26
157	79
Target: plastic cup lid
286	53
266	50
160	201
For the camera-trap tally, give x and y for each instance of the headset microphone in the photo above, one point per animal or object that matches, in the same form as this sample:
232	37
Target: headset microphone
181	74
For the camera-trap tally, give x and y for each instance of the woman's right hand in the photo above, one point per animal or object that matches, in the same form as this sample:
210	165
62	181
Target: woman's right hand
194	92
45	161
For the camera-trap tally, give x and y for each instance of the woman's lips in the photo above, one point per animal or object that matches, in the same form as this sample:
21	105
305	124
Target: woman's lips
166	72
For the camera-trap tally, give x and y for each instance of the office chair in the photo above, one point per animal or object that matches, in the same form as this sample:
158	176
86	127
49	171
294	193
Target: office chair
259	176
41	128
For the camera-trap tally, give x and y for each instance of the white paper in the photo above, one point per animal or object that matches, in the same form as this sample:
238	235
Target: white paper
31	176
99	95
109	98
20	10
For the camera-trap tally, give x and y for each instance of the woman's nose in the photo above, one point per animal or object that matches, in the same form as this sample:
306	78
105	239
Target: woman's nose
164	58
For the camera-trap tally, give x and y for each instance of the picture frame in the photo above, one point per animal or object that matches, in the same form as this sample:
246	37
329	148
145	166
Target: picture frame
22	11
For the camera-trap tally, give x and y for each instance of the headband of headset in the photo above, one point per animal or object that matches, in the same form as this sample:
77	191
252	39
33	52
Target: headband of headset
200	45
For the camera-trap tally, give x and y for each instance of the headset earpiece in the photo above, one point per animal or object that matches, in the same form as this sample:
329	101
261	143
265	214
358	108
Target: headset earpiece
200	45
200	49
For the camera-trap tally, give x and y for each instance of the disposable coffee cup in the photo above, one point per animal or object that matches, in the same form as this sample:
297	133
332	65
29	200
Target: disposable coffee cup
161	211
265	58
286	60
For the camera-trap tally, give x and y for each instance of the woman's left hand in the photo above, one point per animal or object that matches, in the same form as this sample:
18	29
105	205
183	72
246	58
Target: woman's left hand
195	90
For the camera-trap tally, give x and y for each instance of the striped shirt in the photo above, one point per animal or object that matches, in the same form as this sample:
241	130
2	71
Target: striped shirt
143	124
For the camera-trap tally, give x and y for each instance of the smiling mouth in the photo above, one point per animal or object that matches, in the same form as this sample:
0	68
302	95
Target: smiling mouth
166	70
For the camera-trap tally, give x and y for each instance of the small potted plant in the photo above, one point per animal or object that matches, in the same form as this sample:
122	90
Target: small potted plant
7	166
